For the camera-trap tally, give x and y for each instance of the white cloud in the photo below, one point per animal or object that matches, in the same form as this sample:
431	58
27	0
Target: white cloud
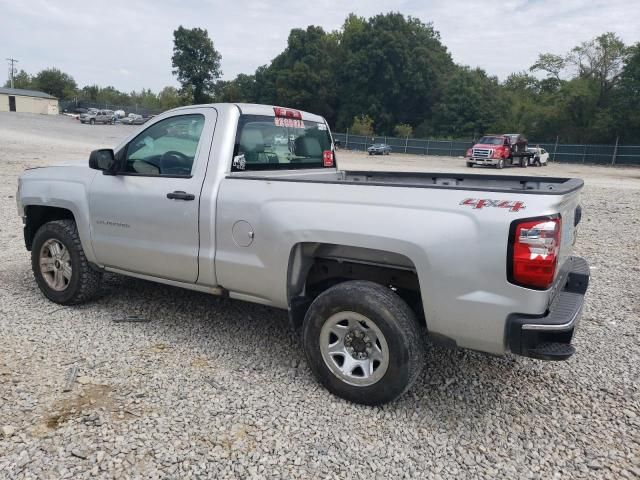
99	42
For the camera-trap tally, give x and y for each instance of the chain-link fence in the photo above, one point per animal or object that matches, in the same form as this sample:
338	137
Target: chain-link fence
558	152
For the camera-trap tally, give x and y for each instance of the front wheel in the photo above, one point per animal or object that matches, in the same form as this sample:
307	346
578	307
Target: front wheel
92	121
363	343
59	265
470	164
500	164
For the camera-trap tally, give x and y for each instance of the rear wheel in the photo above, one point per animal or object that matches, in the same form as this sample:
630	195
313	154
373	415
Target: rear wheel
524	162
59	265
363	342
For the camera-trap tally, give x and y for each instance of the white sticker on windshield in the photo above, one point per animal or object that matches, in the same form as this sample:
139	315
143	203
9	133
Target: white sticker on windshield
322	126
239	163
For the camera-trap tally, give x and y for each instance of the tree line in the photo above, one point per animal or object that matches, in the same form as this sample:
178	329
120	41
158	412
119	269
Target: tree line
392	75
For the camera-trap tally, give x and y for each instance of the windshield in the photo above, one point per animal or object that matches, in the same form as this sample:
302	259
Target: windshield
276	143
491	140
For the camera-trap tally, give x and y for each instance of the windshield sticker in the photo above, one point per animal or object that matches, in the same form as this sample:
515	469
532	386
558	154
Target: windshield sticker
239	163
288	122
479	203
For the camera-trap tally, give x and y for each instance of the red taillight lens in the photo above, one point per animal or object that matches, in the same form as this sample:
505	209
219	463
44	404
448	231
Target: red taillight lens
327	158
287	113
535	245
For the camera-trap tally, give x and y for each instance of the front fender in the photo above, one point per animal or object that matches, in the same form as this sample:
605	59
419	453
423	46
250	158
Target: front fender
61	187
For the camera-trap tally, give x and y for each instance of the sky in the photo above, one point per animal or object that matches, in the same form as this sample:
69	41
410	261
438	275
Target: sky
128	44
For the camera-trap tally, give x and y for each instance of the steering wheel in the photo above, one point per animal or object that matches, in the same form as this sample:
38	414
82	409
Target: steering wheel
178	163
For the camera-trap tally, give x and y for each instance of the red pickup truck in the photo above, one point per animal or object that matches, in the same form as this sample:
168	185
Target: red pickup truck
499	150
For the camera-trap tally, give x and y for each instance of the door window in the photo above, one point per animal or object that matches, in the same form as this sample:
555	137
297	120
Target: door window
165	148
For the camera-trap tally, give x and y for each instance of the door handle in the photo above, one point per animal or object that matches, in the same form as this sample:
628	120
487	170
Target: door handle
180	195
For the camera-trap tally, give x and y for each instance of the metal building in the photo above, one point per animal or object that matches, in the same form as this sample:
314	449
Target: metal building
27	101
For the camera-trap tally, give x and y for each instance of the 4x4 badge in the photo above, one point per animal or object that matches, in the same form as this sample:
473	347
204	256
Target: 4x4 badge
478	203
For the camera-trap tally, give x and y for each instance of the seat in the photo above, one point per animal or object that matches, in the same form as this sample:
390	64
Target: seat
308	147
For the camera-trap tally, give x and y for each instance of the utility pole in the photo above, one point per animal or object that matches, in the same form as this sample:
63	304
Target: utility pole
12	68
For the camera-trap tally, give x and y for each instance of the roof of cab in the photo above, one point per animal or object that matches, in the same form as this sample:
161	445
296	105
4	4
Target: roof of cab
257	109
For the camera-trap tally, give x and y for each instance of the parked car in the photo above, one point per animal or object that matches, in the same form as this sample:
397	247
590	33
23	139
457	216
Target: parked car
133	119
539	158
379	149
89	111
352	256
499	150
98	116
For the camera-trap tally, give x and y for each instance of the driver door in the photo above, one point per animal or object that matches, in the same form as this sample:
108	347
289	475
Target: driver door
144	219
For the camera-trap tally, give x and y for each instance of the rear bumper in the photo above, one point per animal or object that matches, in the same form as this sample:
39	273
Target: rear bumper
548	337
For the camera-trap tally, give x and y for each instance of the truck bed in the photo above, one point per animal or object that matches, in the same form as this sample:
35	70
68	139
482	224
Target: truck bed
454	181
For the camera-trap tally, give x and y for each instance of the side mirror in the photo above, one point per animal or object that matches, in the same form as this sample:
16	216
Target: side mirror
103	159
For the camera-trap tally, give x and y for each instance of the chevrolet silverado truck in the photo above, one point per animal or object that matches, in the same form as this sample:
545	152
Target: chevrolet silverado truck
369	265
500	150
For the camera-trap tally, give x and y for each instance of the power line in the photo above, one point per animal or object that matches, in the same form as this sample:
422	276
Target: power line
12	69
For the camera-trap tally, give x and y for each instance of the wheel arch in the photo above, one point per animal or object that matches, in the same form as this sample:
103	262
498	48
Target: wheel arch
315	266
37	215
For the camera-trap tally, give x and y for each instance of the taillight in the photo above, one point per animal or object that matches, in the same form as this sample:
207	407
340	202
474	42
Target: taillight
287	113
534	247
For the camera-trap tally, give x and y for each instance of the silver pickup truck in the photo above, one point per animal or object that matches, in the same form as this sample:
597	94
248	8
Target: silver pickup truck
368	264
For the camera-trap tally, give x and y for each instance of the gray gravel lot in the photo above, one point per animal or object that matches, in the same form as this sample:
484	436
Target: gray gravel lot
218	388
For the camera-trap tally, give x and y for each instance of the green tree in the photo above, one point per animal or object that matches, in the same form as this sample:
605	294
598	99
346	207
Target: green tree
602	60
391	66
20	80
55	82
626	103
362	125
403	130
169	97
195	62
550	63
470	104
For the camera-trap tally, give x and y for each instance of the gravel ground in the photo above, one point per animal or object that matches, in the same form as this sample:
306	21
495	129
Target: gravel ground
211	388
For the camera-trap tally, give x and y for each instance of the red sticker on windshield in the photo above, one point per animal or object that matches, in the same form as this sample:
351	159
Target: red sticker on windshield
327	158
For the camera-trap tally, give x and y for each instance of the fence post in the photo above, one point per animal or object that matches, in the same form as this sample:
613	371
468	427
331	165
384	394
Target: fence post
428	141
450	147
584	152
346	141
555	148
615	152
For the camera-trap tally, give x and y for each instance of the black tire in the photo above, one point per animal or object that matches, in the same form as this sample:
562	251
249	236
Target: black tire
113	121
92	121
84	282
500	164
395	320
524	162
469	164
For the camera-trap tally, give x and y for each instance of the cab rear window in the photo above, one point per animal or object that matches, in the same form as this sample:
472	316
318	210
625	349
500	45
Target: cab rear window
276	143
